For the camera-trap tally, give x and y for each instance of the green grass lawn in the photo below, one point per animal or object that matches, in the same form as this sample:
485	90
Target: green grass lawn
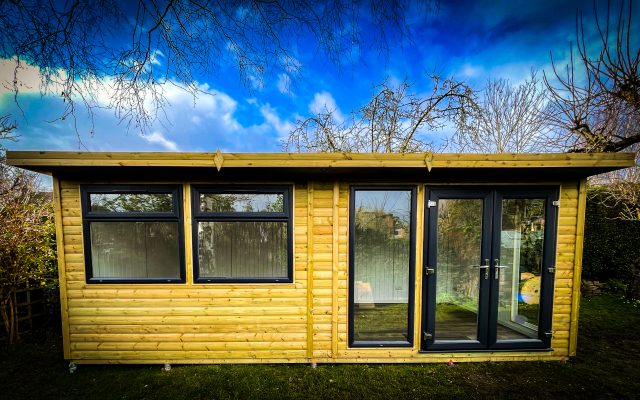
607	366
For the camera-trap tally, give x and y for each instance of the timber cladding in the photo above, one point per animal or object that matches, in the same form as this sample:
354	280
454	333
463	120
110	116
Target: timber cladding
303	321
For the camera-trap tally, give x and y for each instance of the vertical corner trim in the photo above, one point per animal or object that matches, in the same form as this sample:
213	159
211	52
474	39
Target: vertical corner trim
577	267
62	270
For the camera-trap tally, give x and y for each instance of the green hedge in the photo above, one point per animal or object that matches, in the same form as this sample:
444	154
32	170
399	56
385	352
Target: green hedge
611	246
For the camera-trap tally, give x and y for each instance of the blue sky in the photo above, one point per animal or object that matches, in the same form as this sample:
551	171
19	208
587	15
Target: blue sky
469	40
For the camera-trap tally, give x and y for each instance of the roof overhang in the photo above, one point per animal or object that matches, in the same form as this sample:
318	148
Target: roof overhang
574	164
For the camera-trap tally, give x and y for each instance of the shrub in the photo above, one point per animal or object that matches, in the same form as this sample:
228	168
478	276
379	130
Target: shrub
27	240
611	245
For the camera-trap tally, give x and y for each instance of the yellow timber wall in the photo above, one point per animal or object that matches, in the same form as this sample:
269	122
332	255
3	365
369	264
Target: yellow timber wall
303	321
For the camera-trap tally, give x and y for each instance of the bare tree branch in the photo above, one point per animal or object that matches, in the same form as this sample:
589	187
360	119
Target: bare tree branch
91	50
394	120
7	128
595	100
507	119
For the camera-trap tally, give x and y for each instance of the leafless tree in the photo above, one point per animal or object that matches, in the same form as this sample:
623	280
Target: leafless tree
508	119
394	120
624	195
87	50
595	99
7	128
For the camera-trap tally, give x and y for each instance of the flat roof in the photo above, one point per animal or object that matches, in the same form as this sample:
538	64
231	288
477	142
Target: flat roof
579	163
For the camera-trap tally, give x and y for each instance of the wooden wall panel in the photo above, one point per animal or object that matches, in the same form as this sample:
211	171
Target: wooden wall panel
161	322
303	321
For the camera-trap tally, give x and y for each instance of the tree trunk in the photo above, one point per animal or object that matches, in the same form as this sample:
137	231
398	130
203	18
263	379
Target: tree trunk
633	288
9	315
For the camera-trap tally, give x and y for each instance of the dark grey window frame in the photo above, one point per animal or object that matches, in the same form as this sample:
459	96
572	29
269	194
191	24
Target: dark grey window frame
412	267
198	216
89	216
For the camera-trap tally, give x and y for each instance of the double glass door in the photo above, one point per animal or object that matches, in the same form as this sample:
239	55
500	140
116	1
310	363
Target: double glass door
489	268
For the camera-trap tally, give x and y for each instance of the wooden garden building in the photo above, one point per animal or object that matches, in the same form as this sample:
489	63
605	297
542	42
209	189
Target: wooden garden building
327	258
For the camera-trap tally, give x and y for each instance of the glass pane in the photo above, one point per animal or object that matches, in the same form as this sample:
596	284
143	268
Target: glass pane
242	249
458	274
131	202
135	250
521	243
381	265
241	202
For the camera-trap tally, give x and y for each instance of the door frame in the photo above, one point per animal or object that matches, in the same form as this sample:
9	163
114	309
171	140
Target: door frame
547	269
492	196
437	193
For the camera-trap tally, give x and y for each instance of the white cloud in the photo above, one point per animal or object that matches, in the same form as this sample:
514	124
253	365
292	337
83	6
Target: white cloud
156	137
284	84
471	71
203	122
27	77
257	82
155	57
324	102
283	128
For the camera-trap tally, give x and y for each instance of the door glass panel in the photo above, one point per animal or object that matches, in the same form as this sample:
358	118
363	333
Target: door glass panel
382	245
521	244
458	260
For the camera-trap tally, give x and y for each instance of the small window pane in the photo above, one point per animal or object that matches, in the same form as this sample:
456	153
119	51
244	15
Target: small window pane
241	202
242	249
133	250
381	265
131	202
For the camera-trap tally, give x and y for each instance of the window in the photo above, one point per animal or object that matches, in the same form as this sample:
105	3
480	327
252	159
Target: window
382	247
133	233
242	234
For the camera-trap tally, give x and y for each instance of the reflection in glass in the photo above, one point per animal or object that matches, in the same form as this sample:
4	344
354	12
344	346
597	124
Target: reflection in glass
382	246
241	202
135	250
521	244
247	249
458	259
131	202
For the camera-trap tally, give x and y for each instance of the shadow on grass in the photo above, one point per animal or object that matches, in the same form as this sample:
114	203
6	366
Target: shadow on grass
607	366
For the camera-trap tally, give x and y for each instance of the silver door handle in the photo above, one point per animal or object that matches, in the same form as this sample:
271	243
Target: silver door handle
484	267
496	268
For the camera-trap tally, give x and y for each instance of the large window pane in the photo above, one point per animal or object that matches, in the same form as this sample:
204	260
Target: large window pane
242	249
131	202
381	265
521	245
459	245
241	202
134	250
